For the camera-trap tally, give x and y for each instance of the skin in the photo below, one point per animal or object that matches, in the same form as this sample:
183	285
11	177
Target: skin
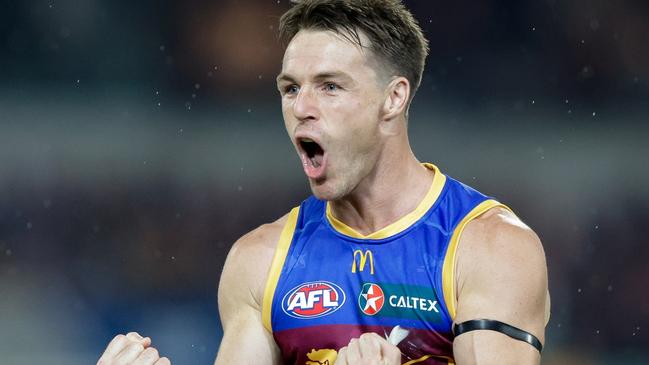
336	93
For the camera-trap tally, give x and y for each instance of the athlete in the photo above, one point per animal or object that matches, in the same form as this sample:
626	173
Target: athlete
390	261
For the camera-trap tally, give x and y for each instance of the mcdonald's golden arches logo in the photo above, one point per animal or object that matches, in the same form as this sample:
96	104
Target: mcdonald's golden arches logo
363	257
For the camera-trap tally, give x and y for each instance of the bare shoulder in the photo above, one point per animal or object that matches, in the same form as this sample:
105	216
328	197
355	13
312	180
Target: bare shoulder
246	267
501	272
500	233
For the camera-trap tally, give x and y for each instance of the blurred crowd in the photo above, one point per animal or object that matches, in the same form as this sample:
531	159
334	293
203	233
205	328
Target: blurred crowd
138	141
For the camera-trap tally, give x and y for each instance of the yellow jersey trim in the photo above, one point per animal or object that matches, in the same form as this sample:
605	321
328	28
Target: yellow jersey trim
404	222
448	269
449	360
279	258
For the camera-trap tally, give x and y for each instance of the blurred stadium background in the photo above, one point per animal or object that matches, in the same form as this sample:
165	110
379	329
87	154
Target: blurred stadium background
138	140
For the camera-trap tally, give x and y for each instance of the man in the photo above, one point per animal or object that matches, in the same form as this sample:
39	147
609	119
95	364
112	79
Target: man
391	261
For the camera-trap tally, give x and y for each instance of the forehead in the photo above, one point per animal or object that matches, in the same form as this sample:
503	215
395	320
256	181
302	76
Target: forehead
314	51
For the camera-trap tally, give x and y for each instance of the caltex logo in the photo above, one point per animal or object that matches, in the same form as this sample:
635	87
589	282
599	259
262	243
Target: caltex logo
371	299
312	300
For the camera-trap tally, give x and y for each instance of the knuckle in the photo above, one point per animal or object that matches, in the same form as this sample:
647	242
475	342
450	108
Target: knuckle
369	336
119	338
152	353
134	335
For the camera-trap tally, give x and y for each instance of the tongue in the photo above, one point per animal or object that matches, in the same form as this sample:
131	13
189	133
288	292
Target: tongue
316	160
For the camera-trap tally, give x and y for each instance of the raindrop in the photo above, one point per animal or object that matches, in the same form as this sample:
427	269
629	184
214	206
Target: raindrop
29	225
594	24
594	114
162	48
610	288
579	290
8	252
197	86
240	188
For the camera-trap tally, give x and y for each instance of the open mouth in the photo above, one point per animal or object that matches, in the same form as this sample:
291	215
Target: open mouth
314	152
314	158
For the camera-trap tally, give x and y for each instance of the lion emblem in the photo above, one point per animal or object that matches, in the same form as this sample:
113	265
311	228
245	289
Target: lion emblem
321	357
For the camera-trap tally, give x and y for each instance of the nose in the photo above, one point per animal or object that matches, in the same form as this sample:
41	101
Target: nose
305	107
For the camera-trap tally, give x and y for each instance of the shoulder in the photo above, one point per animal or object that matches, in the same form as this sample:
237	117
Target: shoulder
500	232
501	271
246	267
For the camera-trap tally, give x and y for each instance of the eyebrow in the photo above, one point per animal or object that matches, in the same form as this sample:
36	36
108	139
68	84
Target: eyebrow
320	76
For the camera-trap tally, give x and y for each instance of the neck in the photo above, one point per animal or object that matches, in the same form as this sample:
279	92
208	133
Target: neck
395	187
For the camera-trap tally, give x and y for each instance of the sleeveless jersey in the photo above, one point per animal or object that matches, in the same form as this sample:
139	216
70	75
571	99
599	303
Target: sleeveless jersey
328	283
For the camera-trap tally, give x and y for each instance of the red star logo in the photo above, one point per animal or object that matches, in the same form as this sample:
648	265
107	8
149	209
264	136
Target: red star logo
371	299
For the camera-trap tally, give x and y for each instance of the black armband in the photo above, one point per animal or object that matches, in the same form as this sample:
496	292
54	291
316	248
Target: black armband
504	328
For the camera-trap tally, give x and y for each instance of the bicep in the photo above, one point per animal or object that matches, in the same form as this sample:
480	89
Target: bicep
503	278
246	341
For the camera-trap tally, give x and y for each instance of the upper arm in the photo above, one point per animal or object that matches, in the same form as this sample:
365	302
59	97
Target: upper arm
245	340
501	275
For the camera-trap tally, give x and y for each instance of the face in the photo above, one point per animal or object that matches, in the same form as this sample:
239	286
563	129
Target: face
331	102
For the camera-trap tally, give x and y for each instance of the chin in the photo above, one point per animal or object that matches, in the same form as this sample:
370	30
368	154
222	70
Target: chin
326	190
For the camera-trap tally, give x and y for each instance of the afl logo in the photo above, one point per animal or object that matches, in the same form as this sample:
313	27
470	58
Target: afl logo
371	299
312	300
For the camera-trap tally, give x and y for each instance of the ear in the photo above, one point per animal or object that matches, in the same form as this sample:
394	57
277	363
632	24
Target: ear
397	94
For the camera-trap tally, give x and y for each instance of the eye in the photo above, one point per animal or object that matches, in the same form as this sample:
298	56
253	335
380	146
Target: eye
291	89
331	87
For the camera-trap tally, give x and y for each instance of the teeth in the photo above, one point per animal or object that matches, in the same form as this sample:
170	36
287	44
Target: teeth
308	140
315	163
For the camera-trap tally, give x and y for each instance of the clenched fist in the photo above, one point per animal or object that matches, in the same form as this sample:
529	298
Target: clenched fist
369	349
131	349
